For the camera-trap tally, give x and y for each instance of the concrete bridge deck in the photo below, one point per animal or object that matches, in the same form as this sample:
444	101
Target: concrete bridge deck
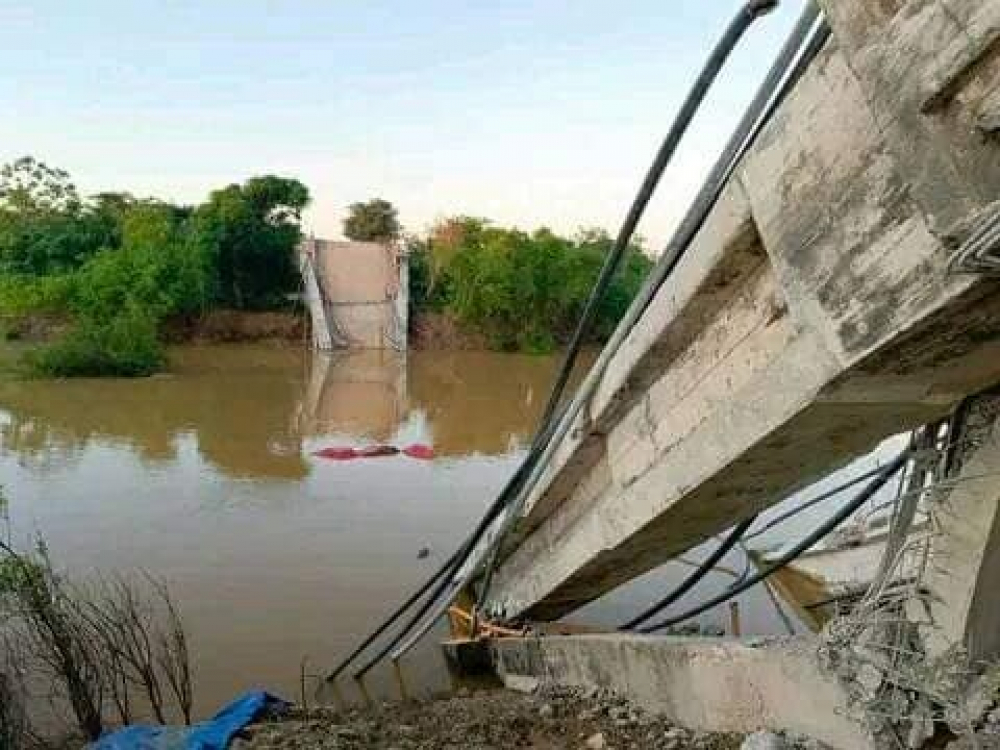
834	296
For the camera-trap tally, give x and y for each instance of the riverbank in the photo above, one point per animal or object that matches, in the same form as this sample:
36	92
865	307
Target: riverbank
439	331
428	330
213	326
498	720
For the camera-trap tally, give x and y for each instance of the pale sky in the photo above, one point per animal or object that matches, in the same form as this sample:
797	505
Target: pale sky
529	113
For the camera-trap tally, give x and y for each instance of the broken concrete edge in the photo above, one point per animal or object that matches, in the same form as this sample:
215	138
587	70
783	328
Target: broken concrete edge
702	684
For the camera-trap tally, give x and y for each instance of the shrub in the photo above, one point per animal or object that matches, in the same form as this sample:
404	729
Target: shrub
526	292
374	221
126	346
21	295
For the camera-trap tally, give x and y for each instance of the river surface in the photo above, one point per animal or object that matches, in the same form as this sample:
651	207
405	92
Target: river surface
206	477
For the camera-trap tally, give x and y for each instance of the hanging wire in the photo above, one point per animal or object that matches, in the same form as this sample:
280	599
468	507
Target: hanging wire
845	512
792	61
440	581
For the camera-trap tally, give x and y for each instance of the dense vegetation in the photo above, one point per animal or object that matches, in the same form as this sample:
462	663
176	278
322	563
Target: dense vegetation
118	266
522	291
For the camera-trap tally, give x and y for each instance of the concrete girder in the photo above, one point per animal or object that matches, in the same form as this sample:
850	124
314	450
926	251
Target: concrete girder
814	315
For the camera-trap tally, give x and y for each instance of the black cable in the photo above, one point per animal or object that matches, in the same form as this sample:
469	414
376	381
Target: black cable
819	533
706	77
813	502
414	597
689	107
443	577
541	440
750	12
696	575
749	126
782	75
735	536
769	95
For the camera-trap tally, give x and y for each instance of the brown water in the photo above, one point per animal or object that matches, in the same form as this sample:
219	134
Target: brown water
206	477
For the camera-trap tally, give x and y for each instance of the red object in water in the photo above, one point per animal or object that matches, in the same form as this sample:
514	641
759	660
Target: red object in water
416	450
419	450
348	454
337	454
377	451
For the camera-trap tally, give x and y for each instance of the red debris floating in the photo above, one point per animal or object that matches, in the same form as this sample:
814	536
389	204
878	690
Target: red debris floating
377	451
337	454
419	450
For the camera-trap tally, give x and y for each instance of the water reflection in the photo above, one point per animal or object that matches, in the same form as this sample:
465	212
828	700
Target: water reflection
249	409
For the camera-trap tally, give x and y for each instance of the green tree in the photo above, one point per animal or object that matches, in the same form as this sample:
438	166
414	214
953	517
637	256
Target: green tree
44	227
374	221
158	269
30	185
249	234
522	291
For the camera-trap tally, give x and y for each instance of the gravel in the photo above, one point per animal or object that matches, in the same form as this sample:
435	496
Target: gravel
544	719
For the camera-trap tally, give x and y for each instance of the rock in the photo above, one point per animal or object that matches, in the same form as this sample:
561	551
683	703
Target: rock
674	737
808	743
764	740
596	741
546	711
619	713
423	553
522	683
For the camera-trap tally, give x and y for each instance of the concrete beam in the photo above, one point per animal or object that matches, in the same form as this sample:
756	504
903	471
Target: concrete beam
814	315
699	683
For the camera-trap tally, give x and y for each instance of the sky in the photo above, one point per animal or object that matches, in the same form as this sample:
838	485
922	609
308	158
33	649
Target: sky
532	114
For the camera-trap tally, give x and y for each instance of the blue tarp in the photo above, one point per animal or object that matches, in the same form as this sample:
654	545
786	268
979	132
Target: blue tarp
213	734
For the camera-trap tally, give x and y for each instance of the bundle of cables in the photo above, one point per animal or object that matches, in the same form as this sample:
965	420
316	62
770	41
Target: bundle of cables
482	547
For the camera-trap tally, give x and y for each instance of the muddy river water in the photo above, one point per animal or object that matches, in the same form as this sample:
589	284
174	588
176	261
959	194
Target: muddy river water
206	476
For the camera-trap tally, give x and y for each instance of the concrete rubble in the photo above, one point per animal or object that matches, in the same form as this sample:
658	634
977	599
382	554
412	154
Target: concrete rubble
496	720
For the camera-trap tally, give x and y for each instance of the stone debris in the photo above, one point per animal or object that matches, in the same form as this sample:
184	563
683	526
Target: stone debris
544	718
764	740
521	683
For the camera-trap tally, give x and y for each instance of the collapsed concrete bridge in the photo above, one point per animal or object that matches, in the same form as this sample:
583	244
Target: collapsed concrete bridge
830	300
843	289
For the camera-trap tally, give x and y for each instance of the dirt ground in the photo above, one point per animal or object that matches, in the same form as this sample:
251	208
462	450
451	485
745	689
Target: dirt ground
488	720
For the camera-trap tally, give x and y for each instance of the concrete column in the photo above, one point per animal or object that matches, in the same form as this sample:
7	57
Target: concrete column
964	578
